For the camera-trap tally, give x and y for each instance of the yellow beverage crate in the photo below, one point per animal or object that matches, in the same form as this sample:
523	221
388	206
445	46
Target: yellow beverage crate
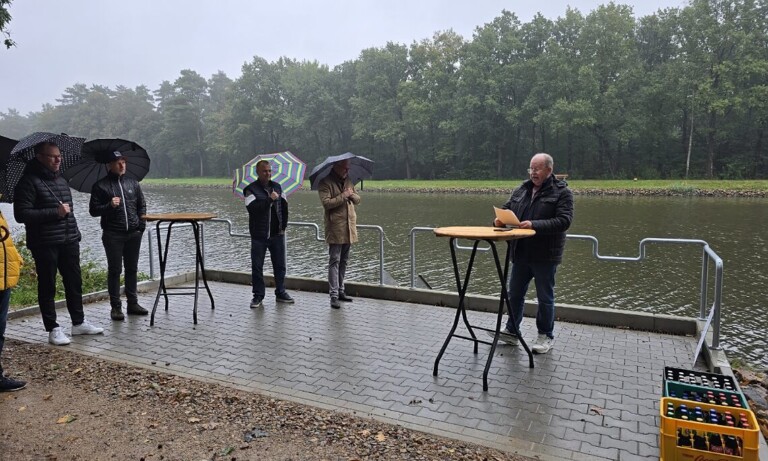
672	427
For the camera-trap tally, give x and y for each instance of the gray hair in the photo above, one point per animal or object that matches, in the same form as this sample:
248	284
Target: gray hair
548	161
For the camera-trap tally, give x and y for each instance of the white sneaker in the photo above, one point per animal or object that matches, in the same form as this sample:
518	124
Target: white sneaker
542	345
57	337
86	328
506	336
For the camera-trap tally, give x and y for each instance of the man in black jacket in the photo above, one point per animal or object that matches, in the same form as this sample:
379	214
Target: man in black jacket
267	220
43	202
545	204
120	203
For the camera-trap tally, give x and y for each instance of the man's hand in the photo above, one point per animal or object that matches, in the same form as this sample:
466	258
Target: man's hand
115	202
274	195
63	209
526	225
497	222
348	192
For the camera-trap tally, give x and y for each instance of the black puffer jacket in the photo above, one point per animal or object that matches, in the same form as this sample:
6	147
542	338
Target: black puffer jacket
550	212
127	216
36	201
260	209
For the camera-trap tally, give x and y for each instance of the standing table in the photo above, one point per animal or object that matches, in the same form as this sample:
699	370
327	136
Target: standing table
490	235
174	218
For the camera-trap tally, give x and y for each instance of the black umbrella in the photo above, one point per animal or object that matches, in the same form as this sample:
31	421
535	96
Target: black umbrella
6	146
24	151
97	153
359	168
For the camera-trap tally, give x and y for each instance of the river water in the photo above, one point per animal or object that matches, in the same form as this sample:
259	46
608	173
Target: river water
666	282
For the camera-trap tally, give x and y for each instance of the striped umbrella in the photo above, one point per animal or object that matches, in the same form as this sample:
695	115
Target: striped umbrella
287	170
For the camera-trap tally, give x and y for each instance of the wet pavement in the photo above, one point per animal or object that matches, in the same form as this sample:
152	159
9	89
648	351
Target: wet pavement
594	396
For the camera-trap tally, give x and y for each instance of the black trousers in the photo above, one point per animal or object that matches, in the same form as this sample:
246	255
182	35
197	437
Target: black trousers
65	259
122	248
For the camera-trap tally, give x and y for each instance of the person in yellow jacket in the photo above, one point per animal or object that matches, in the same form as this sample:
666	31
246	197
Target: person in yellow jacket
10	268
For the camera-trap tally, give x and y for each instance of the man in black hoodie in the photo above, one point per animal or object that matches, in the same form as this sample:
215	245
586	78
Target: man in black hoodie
545	204
120	203
43	203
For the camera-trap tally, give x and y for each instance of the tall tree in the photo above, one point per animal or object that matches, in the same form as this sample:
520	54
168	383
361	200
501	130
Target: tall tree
378	106
5	19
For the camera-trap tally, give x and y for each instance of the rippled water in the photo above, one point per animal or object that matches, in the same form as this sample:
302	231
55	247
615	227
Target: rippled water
667	282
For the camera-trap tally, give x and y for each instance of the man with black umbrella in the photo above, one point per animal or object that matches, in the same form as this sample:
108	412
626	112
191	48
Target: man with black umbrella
43	203
120	203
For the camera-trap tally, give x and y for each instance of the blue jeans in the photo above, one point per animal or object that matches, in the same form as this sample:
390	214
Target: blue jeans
276	247
5	301
544	278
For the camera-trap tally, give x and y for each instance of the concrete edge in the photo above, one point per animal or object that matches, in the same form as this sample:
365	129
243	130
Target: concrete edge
565	312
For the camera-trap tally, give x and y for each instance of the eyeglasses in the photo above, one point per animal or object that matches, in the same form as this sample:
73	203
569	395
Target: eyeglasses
537	170
53	157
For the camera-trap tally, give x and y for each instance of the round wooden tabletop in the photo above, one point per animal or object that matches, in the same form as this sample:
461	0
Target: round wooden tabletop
483	232
179	216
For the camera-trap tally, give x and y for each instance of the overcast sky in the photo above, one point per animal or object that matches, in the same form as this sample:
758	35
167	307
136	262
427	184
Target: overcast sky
118	42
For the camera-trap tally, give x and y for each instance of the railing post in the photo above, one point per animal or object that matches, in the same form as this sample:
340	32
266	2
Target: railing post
703	293
717	304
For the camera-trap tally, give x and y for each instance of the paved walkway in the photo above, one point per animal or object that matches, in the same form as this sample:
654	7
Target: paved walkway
594	396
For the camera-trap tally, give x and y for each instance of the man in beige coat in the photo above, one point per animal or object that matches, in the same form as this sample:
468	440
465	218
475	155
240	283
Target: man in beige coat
339	199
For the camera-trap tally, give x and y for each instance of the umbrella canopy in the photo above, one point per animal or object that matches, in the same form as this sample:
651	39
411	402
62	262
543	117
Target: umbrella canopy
6	146
97	153
359	168
24	151
287	170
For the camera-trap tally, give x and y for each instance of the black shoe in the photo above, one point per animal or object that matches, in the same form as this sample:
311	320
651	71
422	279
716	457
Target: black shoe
335	304
256	302
136	309
284	298
343	297
10	384
117	313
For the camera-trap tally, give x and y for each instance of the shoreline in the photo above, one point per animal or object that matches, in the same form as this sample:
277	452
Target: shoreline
639	192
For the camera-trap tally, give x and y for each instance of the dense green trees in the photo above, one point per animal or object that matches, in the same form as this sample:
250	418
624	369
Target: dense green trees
680	93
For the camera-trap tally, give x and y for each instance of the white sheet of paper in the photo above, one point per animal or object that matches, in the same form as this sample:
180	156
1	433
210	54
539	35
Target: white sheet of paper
507	217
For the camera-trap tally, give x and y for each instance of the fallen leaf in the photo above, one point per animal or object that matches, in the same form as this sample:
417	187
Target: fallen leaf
23	408
47	396
365	432
77	371
65	419
193	420
380	437
596	410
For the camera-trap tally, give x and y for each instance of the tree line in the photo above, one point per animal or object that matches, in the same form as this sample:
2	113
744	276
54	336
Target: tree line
682	93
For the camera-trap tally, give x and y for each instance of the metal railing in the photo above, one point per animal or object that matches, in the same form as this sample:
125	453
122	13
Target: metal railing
712	317
231	232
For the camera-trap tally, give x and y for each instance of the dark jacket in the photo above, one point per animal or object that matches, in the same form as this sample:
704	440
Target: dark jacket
36	201
550	212
127	216
260	209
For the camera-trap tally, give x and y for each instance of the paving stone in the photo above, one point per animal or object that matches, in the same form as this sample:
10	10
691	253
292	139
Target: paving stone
341	359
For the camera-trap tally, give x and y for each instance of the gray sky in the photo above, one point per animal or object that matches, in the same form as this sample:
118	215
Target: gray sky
118	42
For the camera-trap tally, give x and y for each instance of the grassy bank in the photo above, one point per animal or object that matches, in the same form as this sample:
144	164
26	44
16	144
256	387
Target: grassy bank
757	188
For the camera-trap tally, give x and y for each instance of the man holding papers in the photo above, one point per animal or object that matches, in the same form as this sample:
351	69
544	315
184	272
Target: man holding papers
544	204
